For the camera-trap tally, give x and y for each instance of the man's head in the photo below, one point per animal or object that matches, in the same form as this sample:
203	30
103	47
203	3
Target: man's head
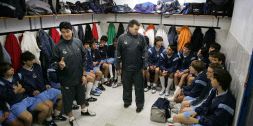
196	67
221	79
217	57
6	70
187	49
133	27
103	41
211	68
214	47
66	30
158	41
28	59
171	50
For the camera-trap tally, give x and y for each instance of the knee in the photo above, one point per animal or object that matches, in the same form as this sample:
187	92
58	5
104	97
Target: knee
105	66
28	117
90	79
99	73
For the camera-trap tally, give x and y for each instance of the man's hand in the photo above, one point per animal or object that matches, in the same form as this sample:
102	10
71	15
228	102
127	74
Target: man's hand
62	64
36	92
84	80
48	86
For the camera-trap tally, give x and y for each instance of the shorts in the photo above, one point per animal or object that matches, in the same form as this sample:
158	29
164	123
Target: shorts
49	94
188	98
27	104
111	60
69	94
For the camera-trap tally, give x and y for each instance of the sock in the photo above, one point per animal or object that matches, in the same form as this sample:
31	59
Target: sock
49	118
170	81
88	89
72	118
119	78
148	83
96	84
154	84
177	91
162	80
85	109
110	70
56	112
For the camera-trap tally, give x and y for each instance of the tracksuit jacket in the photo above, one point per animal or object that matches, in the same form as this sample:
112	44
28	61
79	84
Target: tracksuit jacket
169	64
154	56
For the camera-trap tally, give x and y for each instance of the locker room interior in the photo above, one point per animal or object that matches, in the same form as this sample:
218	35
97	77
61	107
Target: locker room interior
234	34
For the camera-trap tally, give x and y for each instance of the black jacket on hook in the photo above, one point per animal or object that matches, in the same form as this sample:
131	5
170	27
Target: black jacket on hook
172	36
121	30
81	33
209	37
197	39
88	34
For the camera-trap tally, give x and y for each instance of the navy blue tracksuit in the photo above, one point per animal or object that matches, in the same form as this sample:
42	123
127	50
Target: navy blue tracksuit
169	64
197	87
185	62
154	56
217	110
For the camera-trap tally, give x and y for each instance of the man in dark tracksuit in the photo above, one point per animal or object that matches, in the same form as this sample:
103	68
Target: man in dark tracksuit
131	50
70	56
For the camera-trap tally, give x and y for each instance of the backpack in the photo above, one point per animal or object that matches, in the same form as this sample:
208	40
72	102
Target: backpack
95	6
193	8
221	7
121	9
12	8
108	6
168	6
160	110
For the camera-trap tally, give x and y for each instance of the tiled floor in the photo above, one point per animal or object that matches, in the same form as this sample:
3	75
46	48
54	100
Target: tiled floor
110	111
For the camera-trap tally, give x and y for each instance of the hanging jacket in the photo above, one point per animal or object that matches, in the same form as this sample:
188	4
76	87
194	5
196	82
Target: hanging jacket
121	30
81	34
75	32
169	64
183	37
163	33
197	87
111	33
150	33
146	7
29	43
46	46
55	35
217	110
172	36
141	30
154	56
5	57
95	31
209	38
99	31
88	34
197	39
185	62
13	48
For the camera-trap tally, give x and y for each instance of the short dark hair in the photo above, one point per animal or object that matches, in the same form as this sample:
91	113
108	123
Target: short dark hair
157	39
188	46
27	56
220	56
65	25
132	23
216	46
215	66
104	38
223	77
4	67
198	65
173	47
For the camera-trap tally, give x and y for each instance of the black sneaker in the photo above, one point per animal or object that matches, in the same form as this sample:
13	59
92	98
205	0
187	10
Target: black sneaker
126	105
75	107
91	99
147	88
59	118
71	123
101	87
108	83
88	113
50	123
138	110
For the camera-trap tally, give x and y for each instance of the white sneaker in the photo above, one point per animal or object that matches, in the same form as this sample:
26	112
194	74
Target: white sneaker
162	92
153	90
167	93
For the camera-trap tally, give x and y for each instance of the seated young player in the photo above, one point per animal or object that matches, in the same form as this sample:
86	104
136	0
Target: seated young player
168	65
202	55
93	75
214	47
217	57
218	109
185	59
107	63
192	91
190	105
153	63
12	92
38	87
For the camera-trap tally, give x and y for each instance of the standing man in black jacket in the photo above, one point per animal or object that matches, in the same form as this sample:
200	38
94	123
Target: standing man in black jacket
132	52
70	56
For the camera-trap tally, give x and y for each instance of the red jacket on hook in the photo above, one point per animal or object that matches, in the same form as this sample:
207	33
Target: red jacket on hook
94	31
13	48
55	35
